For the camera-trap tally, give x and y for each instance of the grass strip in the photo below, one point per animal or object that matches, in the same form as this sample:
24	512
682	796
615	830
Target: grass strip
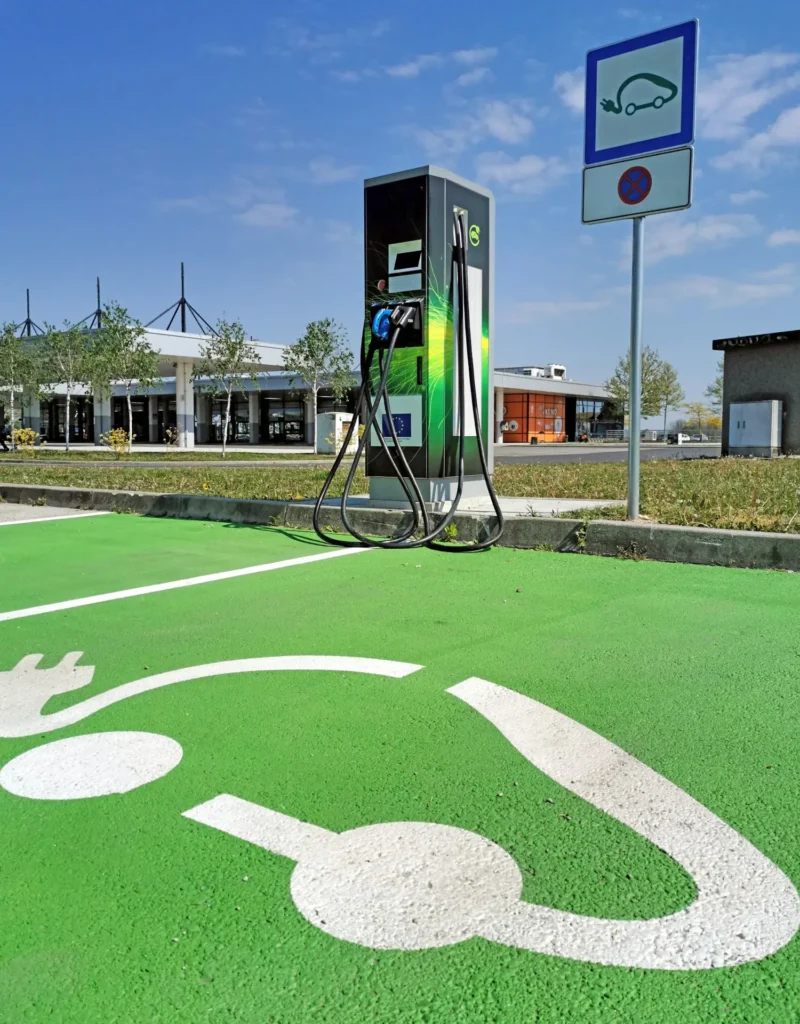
739	494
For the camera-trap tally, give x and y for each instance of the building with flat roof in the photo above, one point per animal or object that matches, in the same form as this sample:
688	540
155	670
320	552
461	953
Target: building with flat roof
538	404
760	368
532	403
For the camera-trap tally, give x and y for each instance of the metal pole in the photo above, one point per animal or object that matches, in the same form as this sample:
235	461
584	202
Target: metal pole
635	425
183	302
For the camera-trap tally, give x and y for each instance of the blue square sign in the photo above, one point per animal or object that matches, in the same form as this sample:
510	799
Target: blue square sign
640	94
402	424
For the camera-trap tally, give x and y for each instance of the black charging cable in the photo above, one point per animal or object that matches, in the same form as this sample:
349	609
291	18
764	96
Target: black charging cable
400	317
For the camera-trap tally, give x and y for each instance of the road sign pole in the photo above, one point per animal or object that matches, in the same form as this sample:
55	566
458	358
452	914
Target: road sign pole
635	425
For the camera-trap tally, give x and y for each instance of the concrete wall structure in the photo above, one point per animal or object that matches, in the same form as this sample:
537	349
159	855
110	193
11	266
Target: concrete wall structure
761	367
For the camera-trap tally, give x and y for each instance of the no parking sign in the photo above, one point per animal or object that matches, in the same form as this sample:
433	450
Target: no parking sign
635	188
640	106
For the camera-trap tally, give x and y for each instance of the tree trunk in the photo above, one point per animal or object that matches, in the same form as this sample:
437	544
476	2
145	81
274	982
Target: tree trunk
227	423
314	414
11	423
130	422
66	428
665	420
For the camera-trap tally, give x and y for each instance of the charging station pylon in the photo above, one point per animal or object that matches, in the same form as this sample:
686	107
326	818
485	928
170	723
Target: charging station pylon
409	241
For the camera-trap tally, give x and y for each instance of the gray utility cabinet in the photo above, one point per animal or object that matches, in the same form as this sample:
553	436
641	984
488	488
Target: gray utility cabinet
756	428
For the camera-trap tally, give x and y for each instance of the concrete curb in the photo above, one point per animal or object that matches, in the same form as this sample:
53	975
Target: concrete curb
689	544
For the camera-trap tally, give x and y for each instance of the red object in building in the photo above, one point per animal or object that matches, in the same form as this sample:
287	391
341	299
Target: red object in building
536	416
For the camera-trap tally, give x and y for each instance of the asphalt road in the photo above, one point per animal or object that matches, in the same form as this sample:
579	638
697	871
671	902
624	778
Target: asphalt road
530	454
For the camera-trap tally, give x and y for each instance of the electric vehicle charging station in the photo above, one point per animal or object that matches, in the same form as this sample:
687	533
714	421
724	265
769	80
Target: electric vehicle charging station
408	243
426	351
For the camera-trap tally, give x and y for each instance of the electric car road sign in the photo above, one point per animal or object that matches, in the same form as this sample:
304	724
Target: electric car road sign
639	186
640	94
639	130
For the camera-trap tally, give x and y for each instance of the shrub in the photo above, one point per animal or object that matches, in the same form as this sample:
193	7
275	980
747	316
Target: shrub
116	440
24	439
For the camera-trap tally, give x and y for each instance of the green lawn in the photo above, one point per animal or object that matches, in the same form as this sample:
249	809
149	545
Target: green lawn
745	494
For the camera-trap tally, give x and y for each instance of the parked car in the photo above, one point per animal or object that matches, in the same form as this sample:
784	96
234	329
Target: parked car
678	439
700	437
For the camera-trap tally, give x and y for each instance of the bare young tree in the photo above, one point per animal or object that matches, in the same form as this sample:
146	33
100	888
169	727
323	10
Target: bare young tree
66	358
714	390
321	359
18	370
123	355
226	365
670	392
618	384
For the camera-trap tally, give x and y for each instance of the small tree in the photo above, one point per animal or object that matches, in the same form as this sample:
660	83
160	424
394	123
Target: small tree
714	390
122	354
670	393
223	366
618	384
698	413
321	359
18	369
66	359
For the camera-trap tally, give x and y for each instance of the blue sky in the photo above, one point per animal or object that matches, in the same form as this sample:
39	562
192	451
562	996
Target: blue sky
236	136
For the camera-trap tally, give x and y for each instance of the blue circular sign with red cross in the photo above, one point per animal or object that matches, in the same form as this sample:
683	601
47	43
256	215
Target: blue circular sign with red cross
635	185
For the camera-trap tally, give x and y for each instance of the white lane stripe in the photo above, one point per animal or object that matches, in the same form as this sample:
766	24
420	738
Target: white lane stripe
745	909
192	581
54	519
28	688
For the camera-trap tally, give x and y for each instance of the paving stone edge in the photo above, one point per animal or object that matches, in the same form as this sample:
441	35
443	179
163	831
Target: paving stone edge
640	540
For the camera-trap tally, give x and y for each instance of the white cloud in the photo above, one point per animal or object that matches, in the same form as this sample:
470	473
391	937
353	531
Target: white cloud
786	237
413	68
762	149
722	292
527	312
217	50
737	86
445	141
474	76
781	271
752	195
268	215
327	172
507	121
189	204
571	88
530	175
677	236
343	233
479	55
346	76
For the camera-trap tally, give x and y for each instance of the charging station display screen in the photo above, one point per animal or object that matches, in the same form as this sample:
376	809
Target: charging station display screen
408	261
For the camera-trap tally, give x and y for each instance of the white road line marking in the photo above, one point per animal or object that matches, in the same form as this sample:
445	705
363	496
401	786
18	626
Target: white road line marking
157	588
26	688
54	519
746	907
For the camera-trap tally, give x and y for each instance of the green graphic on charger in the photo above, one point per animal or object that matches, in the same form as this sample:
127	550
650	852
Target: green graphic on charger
658	101
475	235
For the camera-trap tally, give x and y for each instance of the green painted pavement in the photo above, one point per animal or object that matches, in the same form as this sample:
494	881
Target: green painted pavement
117	909
41	563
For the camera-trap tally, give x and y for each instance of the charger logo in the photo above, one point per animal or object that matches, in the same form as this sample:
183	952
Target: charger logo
475	235
414	885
